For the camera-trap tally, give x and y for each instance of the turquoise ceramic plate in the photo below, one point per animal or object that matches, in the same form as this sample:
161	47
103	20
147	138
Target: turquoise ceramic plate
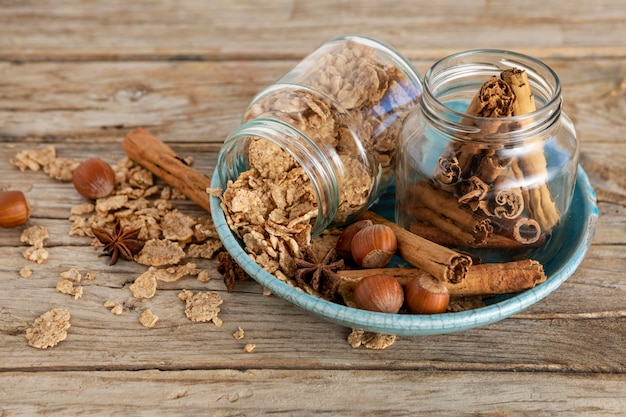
584	216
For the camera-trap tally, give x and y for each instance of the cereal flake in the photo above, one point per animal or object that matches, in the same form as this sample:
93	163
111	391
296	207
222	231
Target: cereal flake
26	272
72	275
145	285
65	286
202	306
158	252
35	236
370	340
238	335
49	329
148	319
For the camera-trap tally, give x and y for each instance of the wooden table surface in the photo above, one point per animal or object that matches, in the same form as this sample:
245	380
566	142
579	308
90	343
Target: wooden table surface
80	75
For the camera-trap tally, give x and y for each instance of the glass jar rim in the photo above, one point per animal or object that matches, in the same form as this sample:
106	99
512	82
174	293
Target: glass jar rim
495	60
281	134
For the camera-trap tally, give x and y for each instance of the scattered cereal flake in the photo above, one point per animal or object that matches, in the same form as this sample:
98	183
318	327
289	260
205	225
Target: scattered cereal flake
148	319
117	310
249	347
203	276
35	236
205	250
109	304
79	226
72	274
82	209
61	168
34	159
177	226
26	272
266	292
174	273
65	286
370	340
90	276
38	255
238	334
112	203
202	306
145	285
157	252
215	192
49	329
204	229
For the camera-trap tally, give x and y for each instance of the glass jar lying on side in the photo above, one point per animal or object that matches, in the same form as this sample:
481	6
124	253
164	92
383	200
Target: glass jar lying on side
487	160
316	148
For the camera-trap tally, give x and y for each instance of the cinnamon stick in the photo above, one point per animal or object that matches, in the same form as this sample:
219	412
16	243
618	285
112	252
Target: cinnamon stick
541	206
162	161
443	263
482	279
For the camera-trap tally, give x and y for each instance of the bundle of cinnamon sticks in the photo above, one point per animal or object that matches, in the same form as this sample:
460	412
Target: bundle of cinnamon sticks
481	194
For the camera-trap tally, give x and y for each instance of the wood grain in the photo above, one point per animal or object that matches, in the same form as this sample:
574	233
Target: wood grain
226	392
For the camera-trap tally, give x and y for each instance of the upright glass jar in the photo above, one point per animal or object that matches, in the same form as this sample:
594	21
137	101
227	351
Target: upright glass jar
322	140
486	164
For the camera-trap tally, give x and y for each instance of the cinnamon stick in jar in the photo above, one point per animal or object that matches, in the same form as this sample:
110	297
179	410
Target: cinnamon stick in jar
540	204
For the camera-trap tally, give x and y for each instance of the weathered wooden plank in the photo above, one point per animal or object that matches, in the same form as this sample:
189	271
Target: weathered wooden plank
73	29
302	393
552	335
203	102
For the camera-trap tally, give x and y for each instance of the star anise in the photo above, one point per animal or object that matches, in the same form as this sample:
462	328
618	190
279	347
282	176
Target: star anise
319	274
119	242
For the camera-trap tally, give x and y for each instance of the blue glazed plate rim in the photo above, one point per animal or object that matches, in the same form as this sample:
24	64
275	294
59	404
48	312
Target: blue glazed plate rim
584	212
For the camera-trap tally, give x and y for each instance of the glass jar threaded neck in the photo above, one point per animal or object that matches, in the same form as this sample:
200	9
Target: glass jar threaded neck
451	83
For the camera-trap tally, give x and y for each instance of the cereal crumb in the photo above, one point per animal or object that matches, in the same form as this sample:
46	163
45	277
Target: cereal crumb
34	159
90	276
158	252
145	285
370	340
72	274
117	310
65	286
215	192
37	255
83	208
174	273
202	306
49	329
26	272
35	236
203	276
109	304
148	319
238	334
61	168
249	347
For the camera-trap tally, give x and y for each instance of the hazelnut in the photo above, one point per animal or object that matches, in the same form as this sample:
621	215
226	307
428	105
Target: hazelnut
374	246
426	295
14	209
94	178
344	242
382	293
